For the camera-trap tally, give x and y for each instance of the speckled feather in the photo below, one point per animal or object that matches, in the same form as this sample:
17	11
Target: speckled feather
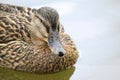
19	51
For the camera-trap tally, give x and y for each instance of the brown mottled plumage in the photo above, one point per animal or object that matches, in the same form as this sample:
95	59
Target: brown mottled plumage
34	40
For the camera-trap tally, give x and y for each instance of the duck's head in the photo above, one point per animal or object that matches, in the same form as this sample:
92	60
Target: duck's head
47	28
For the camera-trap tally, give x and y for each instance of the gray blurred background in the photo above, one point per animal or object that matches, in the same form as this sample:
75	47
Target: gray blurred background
94	26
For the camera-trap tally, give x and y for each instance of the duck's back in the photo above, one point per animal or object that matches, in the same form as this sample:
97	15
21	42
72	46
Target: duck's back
13	27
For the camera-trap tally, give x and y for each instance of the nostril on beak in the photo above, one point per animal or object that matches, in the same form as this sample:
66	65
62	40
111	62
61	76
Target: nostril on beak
61	54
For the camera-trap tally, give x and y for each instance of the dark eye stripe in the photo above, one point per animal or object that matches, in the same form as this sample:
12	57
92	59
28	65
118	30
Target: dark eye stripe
58	28
47	29
46	26
53	25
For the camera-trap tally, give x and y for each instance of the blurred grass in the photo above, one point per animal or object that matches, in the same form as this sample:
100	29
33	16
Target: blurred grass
8	74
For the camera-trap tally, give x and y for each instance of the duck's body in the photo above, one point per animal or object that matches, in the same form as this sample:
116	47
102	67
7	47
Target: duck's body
34	40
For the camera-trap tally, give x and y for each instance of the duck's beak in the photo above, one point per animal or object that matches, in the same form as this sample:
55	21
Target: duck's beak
56	45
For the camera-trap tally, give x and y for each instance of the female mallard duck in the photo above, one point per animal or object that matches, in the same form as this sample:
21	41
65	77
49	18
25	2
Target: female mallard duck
34	40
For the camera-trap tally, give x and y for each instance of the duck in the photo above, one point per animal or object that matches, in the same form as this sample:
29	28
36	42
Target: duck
34	40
